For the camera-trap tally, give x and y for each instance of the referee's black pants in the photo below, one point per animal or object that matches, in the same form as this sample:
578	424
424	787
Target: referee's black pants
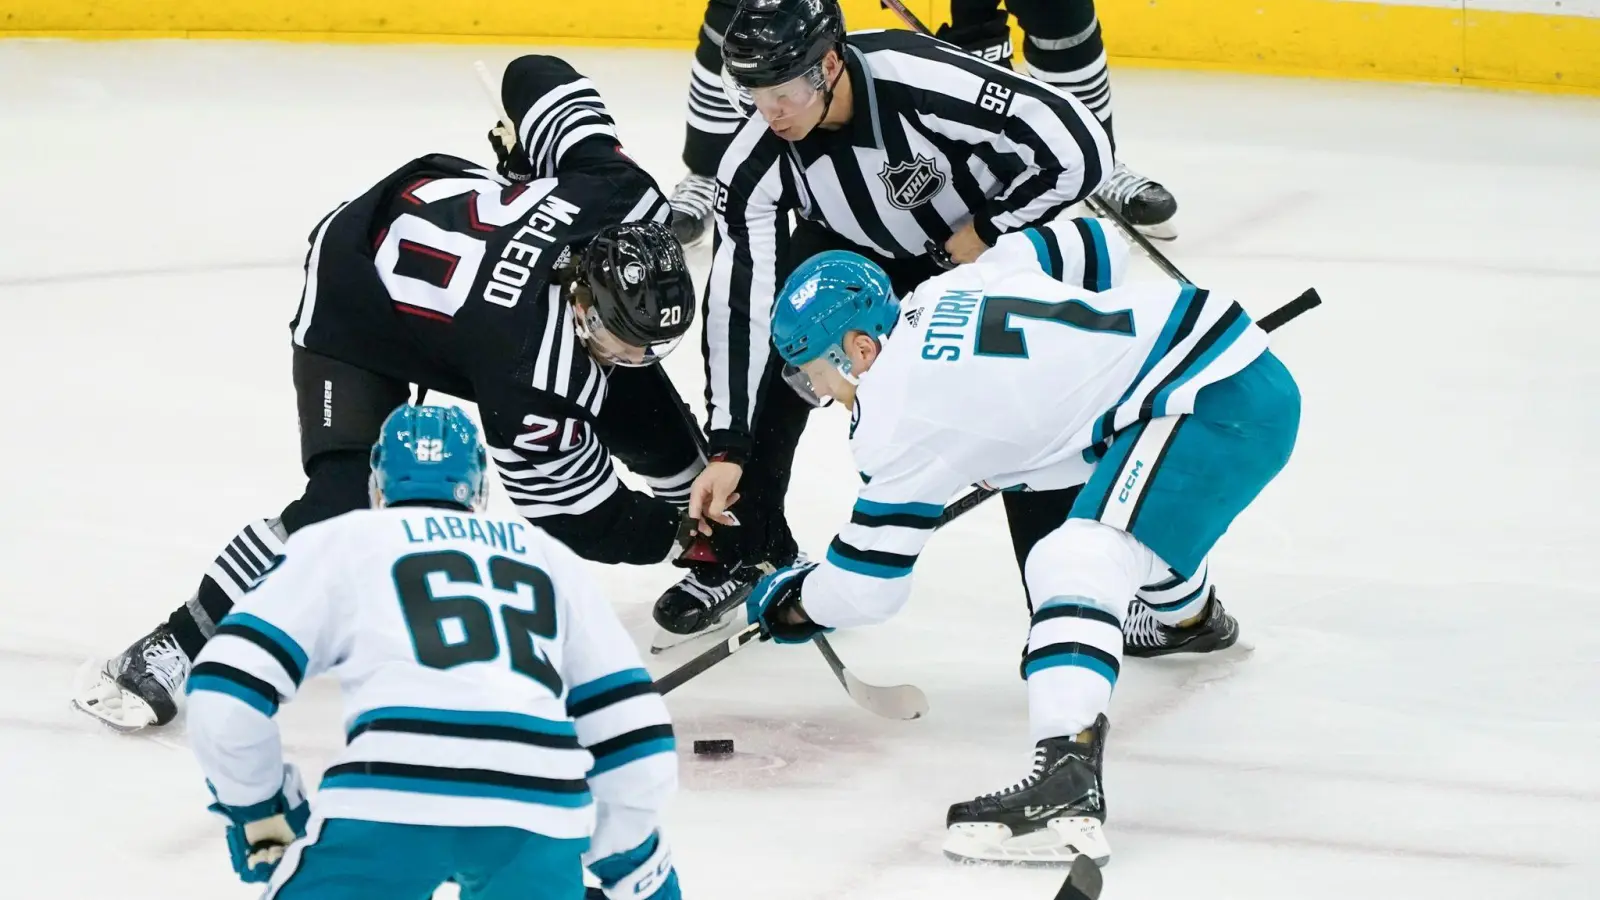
781	417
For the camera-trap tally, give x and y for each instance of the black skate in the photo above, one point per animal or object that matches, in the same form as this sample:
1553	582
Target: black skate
137	688
701	602
691	208
1052	816
1146	204
1144	637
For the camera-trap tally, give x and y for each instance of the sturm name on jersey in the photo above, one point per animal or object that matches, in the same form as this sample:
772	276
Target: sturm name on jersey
521	254
946	325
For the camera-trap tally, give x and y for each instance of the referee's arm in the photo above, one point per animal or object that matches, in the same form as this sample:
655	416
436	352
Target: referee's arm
751	242
1059	149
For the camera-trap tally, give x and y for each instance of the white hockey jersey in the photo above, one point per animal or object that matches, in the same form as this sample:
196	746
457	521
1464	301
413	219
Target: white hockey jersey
1013	372
486	681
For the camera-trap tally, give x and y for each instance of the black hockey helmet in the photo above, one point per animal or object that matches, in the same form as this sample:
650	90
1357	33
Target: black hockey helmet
637	290
769	42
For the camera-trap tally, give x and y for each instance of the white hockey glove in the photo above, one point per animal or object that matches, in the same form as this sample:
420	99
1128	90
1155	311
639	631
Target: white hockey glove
258	834
643	873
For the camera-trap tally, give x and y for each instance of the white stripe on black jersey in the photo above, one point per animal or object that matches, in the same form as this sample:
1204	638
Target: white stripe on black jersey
938	138
443	275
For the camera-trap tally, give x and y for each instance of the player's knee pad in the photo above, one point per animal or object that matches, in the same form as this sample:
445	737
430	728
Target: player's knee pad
1084	558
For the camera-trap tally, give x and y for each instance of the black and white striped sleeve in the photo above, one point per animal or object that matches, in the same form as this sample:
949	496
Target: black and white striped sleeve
560	476
754	196
1054	149
556	111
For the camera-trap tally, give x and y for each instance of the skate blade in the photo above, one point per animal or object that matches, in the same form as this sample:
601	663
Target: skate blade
665	640
98	696
1161	231
1060	843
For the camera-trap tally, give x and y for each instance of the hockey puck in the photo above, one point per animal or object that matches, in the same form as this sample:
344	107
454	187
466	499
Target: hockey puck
714	747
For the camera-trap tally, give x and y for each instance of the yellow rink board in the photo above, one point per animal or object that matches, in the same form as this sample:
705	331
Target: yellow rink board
1321	37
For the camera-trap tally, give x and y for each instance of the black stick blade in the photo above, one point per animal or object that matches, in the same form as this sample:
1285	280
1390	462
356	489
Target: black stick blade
1083	882
1310	299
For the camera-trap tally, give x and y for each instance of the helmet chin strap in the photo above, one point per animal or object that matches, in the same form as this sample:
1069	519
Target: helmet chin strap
827	92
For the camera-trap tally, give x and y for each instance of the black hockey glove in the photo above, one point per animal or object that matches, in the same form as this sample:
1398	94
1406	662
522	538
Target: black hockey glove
513	164
989	40
692	549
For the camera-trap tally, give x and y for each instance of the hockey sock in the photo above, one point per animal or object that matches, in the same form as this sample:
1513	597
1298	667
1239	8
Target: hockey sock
711	119
1066	50
1179	601
237	569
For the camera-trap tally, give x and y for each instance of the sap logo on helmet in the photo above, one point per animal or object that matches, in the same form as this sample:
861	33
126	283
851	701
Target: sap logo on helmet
429	450
804	293
740	64
632	273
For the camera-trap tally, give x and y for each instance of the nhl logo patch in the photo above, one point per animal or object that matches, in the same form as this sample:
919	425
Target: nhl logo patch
912	184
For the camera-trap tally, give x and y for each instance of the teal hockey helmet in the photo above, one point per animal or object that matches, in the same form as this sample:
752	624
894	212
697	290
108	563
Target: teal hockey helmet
429	453
828	296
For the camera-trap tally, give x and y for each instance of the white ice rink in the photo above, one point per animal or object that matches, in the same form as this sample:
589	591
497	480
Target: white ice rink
1421	718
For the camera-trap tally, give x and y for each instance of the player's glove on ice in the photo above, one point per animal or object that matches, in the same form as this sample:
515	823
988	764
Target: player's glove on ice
258	834
772	600
513	164
643	873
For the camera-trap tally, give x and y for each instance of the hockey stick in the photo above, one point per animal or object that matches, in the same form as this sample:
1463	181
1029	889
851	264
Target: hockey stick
895	701
866	695
1083	882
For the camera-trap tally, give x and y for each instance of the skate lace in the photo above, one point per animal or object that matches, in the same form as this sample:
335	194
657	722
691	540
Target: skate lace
1123	185
1141	628
167	662
1028	781
694	195
711	589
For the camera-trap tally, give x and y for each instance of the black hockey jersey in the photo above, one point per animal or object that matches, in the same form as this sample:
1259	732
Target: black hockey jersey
443	275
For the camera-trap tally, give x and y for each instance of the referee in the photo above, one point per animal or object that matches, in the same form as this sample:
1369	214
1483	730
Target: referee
891	144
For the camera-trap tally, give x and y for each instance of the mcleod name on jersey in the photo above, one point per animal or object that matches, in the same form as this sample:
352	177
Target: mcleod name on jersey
444	275
937	138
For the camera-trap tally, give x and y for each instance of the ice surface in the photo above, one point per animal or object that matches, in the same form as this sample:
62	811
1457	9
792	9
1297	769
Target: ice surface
1418	721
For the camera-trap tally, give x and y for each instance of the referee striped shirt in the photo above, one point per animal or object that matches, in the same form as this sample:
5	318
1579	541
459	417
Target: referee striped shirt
937	138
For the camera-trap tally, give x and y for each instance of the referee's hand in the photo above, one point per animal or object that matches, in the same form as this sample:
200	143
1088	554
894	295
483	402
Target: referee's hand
965	246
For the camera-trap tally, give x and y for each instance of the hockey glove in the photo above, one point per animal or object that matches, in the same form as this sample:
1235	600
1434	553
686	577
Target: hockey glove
513	164
643	873
692	548
989	41
258	834
775	601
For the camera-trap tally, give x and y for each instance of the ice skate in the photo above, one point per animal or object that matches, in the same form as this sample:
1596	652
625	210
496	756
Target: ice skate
691	208
1146	204
1144	637
1054	815
700	603
137	688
